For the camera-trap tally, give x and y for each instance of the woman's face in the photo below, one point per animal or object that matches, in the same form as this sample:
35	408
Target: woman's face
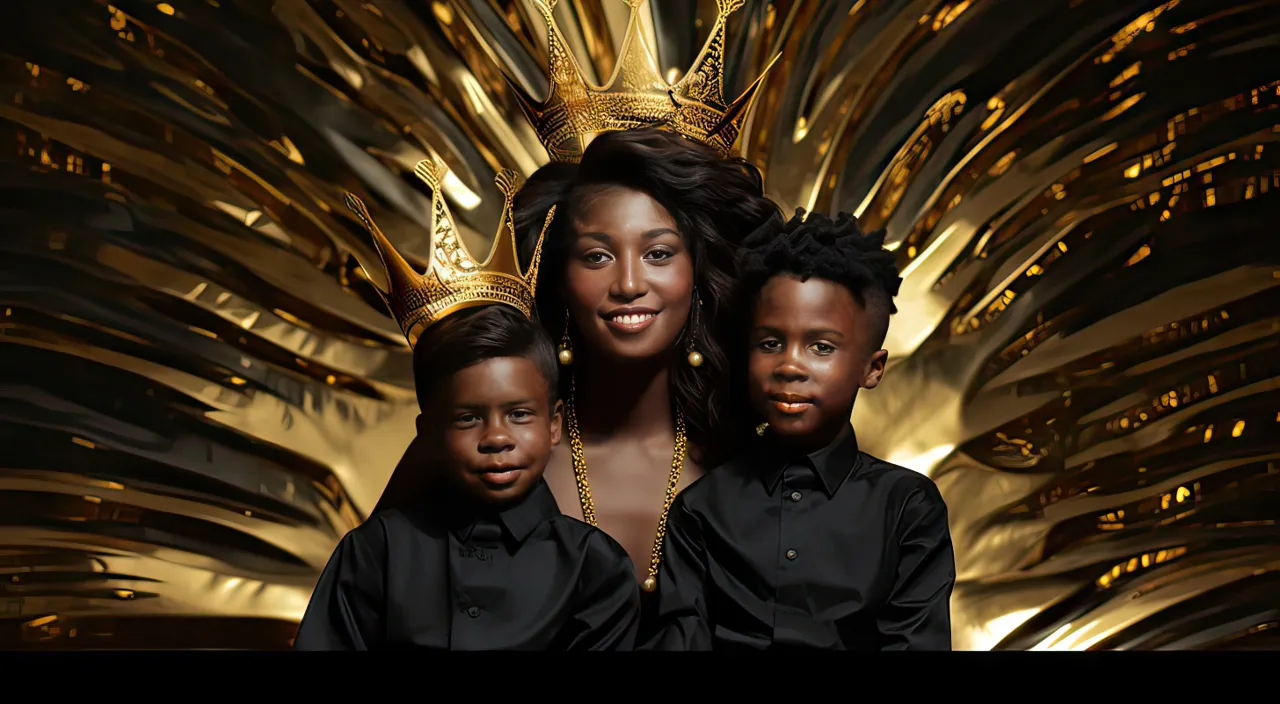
629	276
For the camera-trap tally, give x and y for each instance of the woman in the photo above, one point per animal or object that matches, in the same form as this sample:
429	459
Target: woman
635	279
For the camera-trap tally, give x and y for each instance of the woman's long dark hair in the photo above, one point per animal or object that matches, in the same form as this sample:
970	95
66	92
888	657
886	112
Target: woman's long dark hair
715	202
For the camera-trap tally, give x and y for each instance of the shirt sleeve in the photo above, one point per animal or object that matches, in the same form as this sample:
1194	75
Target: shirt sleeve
608	615
917	615
346	611
682	621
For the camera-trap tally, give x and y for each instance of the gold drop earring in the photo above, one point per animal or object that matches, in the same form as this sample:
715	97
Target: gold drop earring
694	357
565	353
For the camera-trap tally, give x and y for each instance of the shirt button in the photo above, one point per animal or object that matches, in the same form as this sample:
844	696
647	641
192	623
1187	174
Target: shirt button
473	612
795	496
791	554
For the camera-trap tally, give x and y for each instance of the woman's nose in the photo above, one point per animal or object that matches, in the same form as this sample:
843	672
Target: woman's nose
631	282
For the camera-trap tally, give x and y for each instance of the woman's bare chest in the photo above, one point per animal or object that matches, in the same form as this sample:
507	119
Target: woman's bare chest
628	486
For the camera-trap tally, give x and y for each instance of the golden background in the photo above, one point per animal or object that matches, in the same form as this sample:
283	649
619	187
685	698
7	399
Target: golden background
200	390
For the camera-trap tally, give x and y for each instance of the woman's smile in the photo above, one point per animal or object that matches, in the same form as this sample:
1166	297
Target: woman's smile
630	320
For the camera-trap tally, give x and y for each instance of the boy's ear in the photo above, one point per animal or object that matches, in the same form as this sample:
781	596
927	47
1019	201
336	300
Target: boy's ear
421	423
875	369
557	422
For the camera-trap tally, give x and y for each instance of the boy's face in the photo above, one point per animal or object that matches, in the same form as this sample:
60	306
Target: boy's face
495	428
808	356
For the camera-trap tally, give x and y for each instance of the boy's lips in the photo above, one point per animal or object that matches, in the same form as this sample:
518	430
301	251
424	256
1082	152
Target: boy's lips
499	475
790	404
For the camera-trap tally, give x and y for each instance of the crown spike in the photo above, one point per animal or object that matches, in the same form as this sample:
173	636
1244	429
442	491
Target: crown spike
636	70
737	111
399	272
532	274
504	256
447	248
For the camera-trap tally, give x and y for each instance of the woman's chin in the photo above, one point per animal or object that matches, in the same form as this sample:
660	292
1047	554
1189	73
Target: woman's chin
635	349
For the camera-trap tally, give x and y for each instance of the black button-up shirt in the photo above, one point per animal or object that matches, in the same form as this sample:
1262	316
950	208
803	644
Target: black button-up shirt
834	550
436	577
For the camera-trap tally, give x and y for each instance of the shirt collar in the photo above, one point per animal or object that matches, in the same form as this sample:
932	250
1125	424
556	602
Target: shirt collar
833	464
517	521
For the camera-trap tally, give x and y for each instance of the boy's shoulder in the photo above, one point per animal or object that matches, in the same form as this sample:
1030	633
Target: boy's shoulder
714	483
597	544
901	481
375	532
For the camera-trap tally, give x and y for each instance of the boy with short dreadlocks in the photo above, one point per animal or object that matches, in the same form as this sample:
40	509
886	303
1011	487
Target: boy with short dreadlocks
805	541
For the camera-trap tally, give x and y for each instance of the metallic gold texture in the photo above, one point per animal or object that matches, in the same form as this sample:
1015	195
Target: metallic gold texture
453	279
200	389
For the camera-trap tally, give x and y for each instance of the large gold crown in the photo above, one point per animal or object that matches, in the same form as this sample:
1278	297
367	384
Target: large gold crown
454	280
636	95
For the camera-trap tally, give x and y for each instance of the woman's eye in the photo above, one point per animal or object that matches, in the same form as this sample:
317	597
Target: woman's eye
770	345
660	254
595	257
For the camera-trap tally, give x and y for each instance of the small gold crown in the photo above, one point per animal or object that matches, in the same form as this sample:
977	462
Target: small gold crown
454	280
636	95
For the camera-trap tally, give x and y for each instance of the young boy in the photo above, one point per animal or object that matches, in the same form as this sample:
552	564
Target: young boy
804	541
485	561
481	558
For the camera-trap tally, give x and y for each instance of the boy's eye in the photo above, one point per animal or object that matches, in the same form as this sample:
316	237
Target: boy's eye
521	414
466	418
769	345
823	348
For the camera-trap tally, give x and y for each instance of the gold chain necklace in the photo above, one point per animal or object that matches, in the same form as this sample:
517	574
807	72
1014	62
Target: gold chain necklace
584	488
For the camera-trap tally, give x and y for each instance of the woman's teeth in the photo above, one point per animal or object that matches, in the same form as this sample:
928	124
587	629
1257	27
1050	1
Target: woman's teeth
632	319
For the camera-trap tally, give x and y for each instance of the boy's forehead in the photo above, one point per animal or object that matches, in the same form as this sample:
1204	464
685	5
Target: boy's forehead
809	296
498	380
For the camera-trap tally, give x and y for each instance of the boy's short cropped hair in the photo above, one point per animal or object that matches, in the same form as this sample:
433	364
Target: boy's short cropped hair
475	335
835	250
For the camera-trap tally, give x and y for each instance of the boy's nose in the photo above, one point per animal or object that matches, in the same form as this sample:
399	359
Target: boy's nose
496	440
791	370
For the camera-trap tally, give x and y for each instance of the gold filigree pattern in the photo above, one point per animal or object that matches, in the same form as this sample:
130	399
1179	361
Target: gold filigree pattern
636	95
454	280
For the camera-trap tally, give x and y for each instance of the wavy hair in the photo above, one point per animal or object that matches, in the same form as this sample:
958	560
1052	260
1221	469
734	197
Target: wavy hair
715	201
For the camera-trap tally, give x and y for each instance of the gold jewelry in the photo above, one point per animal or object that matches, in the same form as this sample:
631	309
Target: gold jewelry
694	357
636	94
761	428
454	280
579	456
565	354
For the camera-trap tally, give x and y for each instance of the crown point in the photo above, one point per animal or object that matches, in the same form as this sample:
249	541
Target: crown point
357	208
728	7
432	171
508	182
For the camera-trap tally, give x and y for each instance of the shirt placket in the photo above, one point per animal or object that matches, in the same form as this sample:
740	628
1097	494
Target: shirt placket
474	571
789	616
